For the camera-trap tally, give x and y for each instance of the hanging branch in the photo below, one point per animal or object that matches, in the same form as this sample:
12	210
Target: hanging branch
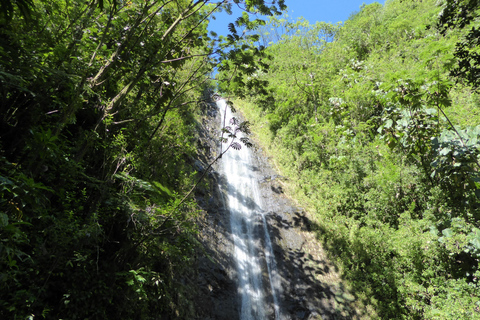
232	133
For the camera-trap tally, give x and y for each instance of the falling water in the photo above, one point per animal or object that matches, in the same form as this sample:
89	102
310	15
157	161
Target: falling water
252	244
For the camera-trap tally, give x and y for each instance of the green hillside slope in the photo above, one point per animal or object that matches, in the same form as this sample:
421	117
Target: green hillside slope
378	133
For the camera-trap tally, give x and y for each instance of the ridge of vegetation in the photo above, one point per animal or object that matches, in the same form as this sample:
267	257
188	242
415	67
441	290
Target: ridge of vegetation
376	123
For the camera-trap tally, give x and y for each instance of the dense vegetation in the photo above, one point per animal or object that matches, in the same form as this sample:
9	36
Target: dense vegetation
376	123
99	108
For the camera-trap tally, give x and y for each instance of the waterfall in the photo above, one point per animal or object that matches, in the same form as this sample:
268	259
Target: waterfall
257	285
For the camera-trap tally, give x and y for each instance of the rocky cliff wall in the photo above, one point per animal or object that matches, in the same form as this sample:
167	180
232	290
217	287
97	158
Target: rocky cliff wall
311	288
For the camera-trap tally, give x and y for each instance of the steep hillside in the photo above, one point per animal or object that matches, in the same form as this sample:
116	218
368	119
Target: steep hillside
377	131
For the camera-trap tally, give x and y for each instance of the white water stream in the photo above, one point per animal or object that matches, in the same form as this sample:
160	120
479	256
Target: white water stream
257	275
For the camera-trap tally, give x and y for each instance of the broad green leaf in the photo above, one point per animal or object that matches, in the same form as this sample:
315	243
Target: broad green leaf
445	151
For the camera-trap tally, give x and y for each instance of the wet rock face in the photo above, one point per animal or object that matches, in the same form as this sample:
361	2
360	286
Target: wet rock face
286	222
310	288
301	271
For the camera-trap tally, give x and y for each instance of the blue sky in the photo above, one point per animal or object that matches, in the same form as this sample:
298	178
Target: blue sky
312	10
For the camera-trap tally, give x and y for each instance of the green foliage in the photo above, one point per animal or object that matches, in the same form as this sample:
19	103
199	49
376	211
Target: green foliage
456	161
8	8
462	14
